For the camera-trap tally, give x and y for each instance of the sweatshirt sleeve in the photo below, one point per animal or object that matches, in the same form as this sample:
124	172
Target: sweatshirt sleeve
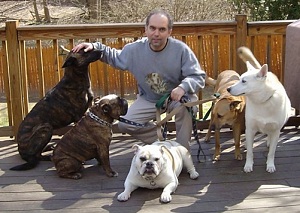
193	75
112	56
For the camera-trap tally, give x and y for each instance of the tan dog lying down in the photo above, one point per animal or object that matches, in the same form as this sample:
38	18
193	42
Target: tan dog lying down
227	110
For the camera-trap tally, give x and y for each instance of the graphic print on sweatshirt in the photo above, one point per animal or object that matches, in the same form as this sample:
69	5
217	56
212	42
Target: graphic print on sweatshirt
156	83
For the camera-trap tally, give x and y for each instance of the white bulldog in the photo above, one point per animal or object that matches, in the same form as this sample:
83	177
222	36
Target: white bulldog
158	166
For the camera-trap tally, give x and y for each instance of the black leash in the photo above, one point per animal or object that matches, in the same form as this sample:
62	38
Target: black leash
217	95
195	129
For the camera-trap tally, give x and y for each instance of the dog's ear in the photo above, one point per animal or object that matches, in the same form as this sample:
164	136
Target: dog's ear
135	148
263	71
235	105
162	148
69	62
96	100
106	108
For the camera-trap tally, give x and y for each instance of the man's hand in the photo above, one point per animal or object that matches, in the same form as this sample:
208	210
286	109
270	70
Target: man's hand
177	94
87	47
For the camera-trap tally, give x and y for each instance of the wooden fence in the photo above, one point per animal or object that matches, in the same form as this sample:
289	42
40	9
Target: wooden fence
31	60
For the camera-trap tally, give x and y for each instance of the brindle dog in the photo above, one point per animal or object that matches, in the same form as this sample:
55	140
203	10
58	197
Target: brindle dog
63	104
89	138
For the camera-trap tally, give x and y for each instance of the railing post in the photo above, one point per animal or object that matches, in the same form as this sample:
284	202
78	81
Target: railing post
241	40
14	70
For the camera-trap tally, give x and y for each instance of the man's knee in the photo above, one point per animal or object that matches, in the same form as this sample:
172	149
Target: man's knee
123	127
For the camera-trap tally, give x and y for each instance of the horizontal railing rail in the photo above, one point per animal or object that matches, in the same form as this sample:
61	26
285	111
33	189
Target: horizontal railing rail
31	59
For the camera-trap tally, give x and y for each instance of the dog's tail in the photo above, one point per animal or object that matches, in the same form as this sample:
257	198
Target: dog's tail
30	164
25	166
246	55
210	81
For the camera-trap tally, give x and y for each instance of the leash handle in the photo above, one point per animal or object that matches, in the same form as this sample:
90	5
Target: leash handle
189	105
177	109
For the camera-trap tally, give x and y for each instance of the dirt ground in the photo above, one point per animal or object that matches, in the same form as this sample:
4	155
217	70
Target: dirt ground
24	12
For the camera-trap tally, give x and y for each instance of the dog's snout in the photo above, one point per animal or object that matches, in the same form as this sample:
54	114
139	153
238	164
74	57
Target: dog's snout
125	106
228	89
149	164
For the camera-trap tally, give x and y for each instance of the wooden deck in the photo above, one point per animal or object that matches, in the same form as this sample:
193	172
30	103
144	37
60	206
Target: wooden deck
221	187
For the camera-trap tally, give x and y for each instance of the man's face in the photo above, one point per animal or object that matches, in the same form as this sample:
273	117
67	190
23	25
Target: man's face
157	31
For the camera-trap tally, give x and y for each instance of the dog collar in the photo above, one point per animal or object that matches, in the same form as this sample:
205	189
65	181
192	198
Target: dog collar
100	121
152	183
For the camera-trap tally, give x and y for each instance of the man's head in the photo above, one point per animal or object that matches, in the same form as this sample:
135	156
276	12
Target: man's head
158	28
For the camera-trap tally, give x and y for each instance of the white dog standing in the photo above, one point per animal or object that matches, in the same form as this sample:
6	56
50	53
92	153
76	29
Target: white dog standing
158	166
267	106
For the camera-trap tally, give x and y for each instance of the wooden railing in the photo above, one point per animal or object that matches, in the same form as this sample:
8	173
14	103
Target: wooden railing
31	59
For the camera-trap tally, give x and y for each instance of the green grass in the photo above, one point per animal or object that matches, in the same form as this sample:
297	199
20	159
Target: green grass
3	115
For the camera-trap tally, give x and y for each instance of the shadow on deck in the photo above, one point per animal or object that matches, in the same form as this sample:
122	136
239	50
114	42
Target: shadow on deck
222	186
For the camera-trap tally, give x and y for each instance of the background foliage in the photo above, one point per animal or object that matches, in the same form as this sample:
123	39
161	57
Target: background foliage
126	11
261	10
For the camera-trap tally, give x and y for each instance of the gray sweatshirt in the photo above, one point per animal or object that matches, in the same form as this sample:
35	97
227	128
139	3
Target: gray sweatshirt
157	73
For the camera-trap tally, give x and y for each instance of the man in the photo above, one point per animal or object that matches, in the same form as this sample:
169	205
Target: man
160	64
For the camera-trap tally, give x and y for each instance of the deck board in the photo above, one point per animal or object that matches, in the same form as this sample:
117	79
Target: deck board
221	187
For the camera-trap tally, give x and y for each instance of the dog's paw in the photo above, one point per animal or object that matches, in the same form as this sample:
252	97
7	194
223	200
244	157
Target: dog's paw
74	176
194	174
271	168
248	168
238	156
113	174
217	157
207	139
165	197
77	176
123	197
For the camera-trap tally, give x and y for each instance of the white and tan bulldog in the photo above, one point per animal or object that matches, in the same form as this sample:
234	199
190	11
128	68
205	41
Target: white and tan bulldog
158	166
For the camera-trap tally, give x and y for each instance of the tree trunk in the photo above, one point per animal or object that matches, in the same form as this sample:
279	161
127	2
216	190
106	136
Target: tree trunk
94	7
36	12
46	11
